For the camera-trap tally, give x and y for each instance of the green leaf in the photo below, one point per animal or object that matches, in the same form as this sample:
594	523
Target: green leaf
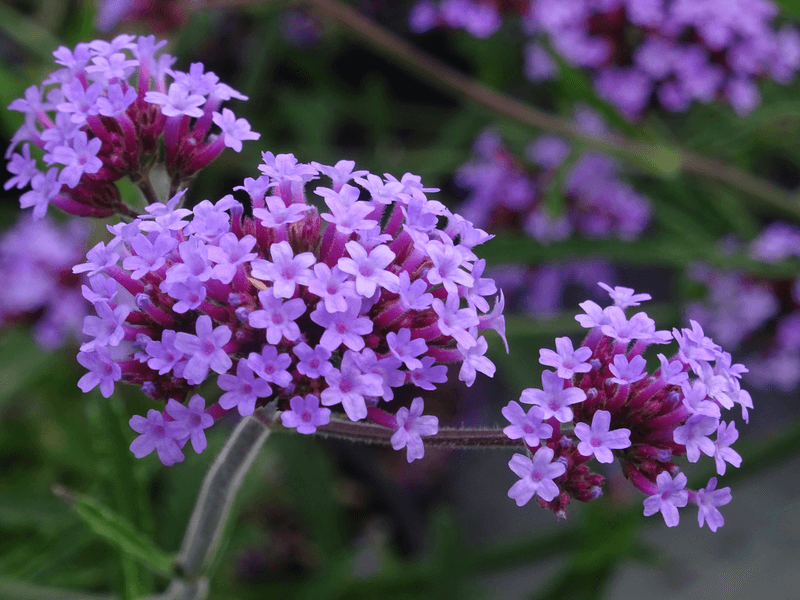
118	531
311	482
21	361
12	589
790	6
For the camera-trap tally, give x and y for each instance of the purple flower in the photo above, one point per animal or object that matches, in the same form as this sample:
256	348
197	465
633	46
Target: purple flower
446	267
598	440
151	253
103	371
368	268
428	374
553	398
726	435
693	435
411	426
45	187
342	327
528	426
536	475
708	499
159	435
23	167
205	350
235	130
349	386
670	496
194	419
403	347
277	213
333	287
387	368
178	101
313	363
626	372
229	253
566	360
78	159
271	366
474	361
106	328
305	414
624	297
242	390
454	321
277	317
165	356
285	271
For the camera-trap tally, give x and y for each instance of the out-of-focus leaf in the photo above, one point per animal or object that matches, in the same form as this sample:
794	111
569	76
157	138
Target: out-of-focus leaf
790	6
310	476
44	514
120	533
28	34
21	361
12	589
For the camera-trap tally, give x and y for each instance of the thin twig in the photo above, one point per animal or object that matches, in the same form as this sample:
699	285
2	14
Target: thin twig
668	158
446	437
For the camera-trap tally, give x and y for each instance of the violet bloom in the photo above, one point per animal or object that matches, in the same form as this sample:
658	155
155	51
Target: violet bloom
313	362
194	419
278	317
204	349
598	440
332	286
107	328
349	386
527	426
536	475
708	499
177	102
368	268
566	360
624	297
553	398
285	271
726	435
159	435
411	426
235	130
626	372
403	347
670	496
474	361
426	376
79	158
271	366
305	414
277	213
693	435
242	390
103	371
342	327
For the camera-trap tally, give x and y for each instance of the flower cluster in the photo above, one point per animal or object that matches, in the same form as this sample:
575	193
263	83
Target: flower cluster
760	318
677	51
101	116
283	303
36	258
505	192
600	402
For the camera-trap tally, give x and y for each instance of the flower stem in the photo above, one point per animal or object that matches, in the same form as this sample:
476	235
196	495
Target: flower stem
446	438
667	159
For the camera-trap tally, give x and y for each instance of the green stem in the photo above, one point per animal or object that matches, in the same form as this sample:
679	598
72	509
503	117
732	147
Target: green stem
667	160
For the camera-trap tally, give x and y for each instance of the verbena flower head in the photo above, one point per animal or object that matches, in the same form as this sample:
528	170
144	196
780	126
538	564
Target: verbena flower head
36	258
317	311
104	114
755	317
506	192
675	52
617	409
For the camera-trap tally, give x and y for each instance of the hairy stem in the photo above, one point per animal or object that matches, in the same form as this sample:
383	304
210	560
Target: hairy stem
666	159
446	438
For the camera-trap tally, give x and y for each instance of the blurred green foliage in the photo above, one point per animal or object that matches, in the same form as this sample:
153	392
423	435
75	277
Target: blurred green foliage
302	522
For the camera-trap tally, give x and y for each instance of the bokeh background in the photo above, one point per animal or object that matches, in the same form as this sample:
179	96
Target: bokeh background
321	519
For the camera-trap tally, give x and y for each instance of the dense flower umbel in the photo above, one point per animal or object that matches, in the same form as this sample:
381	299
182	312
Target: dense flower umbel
101	117
314	310
677	51
505	192
601	402
757	318
36	259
